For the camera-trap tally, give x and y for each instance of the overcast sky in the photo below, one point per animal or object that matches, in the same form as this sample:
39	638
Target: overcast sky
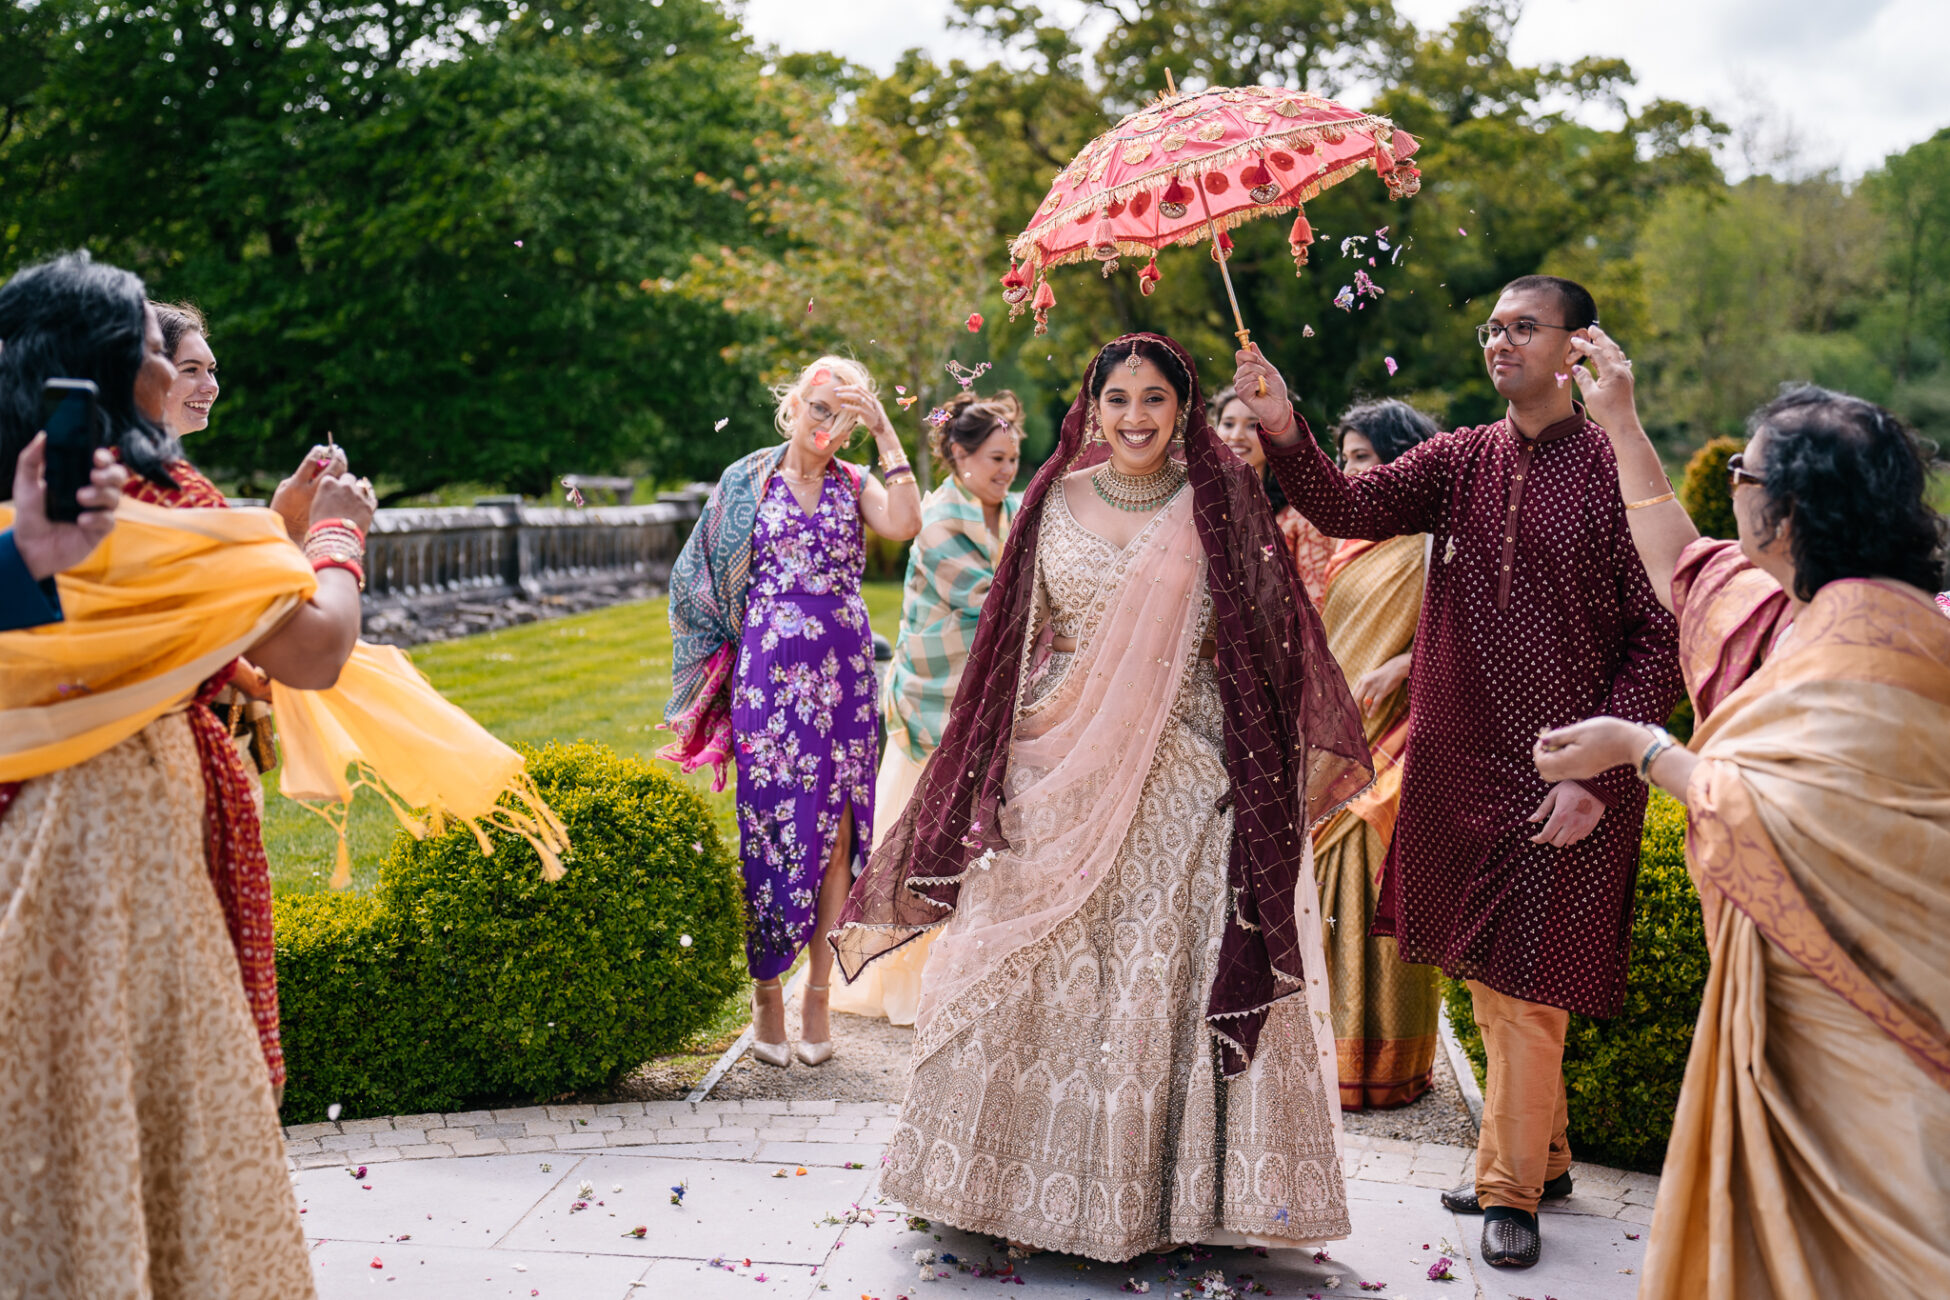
1854	80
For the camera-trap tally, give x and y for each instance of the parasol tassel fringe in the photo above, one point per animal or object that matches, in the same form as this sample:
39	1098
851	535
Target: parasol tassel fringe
1148	278
1200	233
1301	139
1298	239
1045	299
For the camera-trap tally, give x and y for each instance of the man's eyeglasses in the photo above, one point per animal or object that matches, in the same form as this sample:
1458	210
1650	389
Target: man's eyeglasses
1738	472
1518	332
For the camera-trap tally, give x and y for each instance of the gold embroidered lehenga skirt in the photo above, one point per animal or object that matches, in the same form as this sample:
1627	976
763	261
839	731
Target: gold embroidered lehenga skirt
1072	1098
137	1129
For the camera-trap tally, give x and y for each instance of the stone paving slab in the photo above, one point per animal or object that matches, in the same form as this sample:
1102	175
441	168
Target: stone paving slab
344	1271
730	1208
471	1205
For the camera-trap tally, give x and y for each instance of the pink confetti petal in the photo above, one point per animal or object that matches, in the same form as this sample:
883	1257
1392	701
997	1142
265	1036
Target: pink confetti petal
1462	232
1561	378
1390	363
517	243
974	322
1306	331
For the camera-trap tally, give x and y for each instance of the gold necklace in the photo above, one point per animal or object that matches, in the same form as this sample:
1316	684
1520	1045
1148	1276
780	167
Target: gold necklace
1125	492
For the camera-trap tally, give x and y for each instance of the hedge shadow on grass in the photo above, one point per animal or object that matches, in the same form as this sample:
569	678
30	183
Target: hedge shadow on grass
467	977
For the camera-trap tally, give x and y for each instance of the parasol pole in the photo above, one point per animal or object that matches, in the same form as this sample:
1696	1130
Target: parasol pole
1244	335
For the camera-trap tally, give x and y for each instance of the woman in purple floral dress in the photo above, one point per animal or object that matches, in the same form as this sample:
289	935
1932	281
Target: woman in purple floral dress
771	575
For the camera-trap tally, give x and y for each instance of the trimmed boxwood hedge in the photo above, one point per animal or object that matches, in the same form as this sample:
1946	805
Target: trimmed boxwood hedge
1622	1075
467	976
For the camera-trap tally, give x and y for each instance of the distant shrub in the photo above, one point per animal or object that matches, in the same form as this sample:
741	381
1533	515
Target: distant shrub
467	976
1622	1075
1706	492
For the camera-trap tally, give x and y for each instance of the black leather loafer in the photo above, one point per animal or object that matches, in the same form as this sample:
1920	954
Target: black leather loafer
1462	1200
1510	1238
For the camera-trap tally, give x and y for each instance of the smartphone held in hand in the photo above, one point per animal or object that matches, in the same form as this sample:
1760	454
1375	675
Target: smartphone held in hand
68	414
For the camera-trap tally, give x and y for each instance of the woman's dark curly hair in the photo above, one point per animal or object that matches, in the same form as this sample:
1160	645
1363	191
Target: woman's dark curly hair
1849	478
1391	425
72	317
1157	354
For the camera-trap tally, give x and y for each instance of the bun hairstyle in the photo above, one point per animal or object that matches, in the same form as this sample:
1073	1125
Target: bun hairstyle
788	395
178	319
971	421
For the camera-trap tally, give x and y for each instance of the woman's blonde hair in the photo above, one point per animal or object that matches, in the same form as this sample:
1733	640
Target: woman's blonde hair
845	370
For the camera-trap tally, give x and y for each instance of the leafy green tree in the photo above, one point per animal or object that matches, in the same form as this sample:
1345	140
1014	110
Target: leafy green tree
1514	186
426	226
879	250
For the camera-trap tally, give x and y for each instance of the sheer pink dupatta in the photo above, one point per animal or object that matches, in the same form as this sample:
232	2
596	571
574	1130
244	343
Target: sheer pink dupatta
1078	762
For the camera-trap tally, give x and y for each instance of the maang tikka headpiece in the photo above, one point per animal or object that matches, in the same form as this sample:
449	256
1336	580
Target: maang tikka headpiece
1134	361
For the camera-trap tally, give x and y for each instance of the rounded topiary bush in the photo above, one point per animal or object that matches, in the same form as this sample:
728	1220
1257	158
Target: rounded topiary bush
468	975
1706	492
1622	1075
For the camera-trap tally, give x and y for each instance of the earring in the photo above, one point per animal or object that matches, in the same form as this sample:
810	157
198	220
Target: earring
1178	428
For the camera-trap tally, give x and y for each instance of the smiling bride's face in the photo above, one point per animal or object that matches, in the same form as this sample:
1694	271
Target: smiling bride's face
1138	410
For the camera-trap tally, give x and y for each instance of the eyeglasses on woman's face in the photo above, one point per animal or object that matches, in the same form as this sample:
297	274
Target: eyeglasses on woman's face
1738	473
1518	332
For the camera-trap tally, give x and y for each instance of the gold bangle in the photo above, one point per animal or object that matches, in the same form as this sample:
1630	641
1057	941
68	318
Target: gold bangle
892	460
1650	501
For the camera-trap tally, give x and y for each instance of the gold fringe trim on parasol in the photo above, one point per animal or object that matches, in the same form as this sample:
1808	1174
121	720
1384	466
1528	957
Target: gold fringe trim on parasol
1378	129
1199	234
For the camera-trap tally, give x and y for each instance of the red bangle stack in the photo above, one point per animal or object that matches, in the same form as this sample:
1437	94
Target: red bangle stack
337	544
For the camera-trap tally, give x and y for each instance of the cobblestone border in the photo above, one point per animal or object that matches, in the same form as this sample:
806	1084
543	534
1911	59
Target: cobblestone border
826	1133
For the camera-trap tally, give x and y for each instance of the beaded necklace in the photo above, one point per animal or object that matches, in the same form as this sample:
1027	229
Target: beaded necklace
1125	492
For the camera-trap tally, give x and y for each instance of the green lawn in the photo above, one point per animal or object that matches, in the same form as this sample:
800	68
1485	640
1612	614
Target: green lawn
601	676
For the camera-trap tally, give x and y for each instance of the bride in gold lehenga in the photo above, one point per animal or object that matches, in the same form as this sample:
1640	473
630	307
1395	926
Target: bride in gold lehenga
1110	1057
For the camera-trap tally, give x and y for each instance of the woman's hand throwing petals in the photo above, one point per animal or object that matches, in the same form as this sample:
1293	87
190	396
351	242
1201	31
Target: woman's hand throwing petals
293	498
340	496
1604	376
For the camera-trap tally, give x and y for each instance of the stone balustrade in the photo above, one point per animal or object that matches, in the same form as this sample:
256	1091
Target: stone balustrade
499	548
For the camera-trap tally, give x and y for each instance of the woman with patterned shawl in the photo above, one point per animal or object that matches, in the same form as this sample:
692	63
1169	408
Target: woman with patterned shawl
773	665
978	447
1806	1157
1384	1008
1116	1047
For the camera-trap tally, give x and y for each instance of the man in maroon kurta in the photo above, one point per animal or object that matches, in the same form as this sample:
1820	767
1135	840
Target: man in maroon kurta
1538	611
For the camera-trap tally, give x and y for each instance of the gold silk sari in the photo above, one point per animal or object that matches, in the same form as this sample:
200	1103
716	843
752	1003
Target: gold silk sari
1808	1154
1384	1008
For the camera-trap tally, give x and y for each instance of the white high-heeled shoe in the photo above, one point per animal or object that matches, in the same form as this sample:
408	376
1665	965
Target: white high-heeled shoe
814	1053
778	1055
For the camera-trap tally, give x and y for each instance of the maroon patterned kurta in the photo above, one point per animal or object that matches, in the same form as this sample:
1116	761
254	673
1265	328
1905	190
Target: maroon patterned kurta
1538	614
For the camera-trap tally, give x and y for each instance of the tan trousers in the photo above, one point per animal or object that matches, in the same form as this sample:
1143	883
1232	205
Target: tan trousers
1525	1140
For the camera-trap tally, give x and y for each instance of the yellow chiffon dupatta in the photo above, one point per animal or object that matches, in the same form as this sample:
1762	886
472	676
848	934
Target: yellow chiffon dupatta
174	595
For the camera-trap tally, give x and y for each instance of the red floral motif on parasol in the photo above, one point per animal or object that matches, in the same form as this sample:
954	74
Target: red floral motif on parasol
1189	168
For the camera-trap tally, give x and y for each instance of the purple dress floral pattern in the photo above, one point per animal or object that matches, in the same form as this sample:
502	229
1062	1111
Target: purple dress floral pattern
803	712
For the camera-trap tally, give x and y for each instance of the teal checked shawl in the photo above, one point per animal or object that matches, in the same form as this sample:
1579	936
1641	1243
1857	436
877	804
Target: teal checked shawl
949	569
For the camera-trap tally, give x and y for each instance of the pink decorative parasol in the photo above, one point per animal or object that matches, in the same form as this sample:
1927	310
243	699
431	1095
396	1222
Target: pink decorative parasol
1189	168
